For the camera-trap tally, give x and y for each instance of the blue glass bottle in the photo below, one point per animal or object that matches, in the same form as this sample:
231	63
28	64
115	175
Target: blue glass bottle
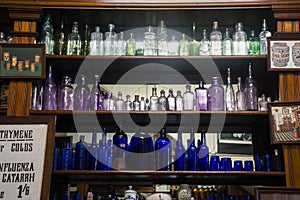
179	154
163	152
93	151
203	153
192	151
257	162
109	165
82	95
67	156
56	158
80	154
120	141
102	155
199	144
267	161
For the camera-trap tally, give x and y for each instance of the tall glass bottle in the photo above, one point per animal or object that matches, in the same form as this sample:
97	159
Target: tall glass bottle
203	153
227	44
229	94
183	46
215	40
188	99
47	36
120	105
110	157
60	39
162	39
120	141
136	105
163	152
263	35
251	91
80	154
216	95
204	45
179	154
74	41
149	42
201	97
131	45
66	94
179	101
240	95
240	46
171	100
128	103
173	46
96	97
85	48
93	151
154	100
49	95
36	95
162	100
102	153
192	152
194	44
110	39
121	45
82	95
253	44
96	43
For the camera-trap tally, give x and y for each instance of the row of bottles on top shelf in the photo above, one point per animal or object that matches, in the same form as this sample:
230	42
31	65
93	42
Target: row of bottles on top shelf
142	153
155	42
51	97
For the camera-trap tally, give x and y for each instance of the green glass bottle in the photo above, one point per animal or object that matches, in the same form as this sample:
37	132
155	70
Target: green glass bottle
254	48
131	45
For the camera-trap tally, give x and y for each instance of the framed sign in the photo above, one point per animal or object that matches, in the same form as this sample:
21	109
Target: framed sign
277	193
22	61
26	150
285	122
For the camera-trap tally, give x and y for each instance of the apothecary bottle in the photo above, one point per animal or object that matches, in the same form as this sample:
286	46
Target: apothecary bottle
80	154
96	43
121	45
253	44
240	46
263	35
110	39
215	40
93	151
163	152
47	35
85	48
120	105
102	152
143	105
149	42
240	95
128	103
201	97
173	46
108	102
96	97
74	41
227	44
203	153
183	46
162	100
131	45
66	94
171	100
251	91
229	93
154	100
263	104
120	141
188	99
162	39
179	101
60	39
37	95
216	95
136	103
49	95
192	152
194	44
204	45
179	154
82	95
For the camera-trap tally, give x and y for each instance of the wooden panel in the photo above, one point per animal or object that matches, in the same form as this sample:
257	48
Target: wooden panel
292	165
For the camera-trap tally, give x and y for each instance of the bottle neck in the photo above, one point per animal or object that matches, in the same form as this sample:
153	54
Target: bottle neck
179	142
163	133
94	137
203	139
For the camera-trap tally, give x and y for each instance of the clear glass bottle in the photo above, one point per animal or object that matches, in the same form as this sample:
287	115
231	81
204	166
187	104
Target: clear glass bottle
171	100
173	46
74	41
66	94
194	45
204	45
253	44
80	154
216	95
128	103
143	104
229	93
150	42
110	39
96	43
154	100
85	48
49	95
163	152
263	104
120	104
96	97
201	97
162	100
120	141
179	154
188	98
82	95
162	39
215	40
240	95
60	39
2	38
251	91
240	43
108	102
136	103
263	35
131	45
192	152
121	45
227	44
102	153
203	153
47	36
179	101
183	46
36	95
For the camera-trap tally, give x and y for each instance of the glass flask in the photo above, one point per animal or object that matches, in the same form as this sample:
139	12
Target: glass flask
96	43
171	100
173	46
96	97
163	152
154	100
121	45
82	95
240	95
102	152
120	104
120	141
131	45
201	97
128	103
227	44
183	46
162	100
251	91
60	39
263	35
204	49
215	40
74	41
229	93
216	95
85	48
110	39
108	102
136	103
66	94
49	94
240	43
179	154
80	154
253	44
192	152
179	101
188	98
203	153
194	44
162	39
36	95
149	42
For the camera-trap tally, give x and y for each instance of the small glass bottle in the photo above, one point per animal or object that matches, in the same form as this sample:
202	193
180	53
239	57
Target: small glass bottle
162	39
49	95
85	48
162	100
154	100
96	43
143	104
36	95
201	97
240	95
120	104
108	102
163	152
203	153
47	36
2	38
66	94
128	103
251	91
229	94
173	46
194	44
131	45
171	100
110	39
149	42
253	44
80	154
179	154
96	97
263	35
204	45
60	39
183	46
74	41
216	95
263	103
240	46
136	103
82	95
179	101
215	40
121	45
227	44
192	152
188	99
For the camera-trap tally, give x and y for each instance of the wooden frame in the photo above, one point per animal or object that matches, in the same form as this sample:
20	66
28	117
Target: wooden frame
41	183
277	193
285	122
283	53
22	61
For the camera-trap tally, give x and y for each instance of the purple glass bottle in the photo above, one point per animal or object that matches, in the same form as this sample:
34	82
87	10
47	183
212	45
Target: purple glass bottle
96	96
201	97
251	91
66	94
82	95
49	96
216	95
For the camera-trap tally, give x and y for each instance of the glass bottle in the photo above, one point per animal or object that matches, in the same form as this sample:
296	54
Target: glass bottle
96	43
163	152
179	154
85	48
194	44
96	97
203	153
184	193
109	42
143	104
120	141
162	100
136	103
102	153
215	40
154	100
108	102
240	46
131	45
171	100
183	46
173	46
49	94
66	94
74	41
192	152
251	91
263	35
47	36
263	104
121	45
60	39
128	103
149	42
120	105
179	101
240	95
162	39
2	38
229	94
201	97
80	154
82	95
188	98
204	49
110	158
67	157
253	44
36	95
227	44
216	95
